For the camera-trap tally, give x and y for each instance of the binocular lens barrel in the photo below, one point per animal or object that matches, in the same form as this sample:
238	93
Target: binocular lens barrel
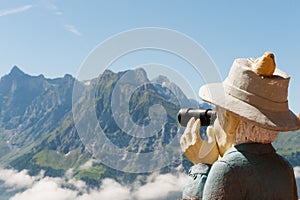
207	117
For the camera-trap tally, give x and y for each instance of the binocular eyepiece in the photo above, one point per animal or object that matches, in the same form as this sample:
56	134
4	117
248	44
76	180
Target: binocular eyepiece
207	117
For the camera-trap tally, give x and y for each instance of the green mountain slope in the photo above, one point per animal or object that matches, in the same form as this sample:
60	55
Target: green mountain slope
288	145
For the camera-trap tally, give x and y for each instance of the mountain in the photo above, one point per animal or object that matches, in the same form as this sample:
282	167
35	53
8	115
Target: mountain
31	107
288	145
37	128
38	125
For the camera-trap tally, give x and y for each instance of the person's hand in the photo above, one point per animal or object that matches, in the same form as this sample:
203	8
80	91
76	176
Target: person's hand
196	149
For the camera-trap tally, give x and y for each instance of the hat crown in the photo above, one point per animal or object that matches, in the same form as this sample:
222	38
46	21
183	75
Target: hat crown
273	89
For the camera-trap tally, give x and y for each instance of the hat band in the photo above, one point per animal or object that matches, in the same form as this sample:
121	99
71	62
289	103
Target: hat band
255	100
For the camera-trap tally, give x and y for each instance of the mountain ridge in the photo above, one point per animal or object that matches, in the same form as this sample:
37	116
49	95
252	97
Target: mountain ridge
37	130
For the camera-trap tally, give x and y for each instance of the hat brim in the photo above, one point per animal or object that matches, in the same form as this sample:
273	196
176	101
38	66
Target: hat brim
279	121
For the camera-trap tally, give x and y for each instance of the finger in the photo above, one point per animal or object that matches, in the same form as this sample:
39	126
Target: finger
190	123
187	132
182	144
209	145
195	132
210	133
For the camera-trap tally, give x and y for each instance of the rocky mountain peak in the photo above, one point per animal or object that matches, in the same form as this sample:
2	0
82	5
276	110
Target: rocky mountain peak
136	76
16	71
141	74
160	80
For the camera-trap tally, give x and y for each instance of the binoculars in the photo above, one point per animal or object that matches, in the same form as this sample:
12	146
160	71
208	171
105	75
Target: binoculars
207	117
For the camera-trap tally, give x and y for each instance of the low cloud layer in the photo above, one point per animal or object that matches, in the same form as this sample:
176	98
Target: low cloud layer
46	189
67	188
158	187
17	180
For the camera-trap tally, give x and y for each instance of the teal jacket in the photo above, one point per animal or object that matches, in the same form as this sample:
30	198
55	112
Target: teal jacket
246	171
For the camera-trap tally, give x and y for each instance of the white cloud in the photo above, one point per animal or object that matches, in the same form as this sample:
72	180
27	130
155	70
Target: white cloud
15	10
160	187
87	164
72	29
69	173
46	189
78	184
15	179
110	189
53	8
58	13
68	188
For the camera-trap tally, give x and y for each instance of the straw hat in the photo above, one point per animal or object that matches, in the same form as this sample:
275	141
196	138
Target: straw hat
262	100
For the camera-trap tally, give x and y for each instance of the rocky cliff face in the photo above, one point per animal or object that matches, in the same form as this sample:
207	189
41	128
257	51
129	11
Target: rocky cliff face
38	131
31	108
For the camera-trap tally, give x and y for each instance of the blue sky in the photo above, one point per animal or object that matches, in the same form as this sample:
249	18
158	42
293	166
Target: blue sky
54	37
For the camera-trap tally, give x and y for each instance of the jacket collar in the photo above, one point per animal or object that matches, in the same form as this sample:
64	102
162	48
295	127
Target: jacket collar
253	148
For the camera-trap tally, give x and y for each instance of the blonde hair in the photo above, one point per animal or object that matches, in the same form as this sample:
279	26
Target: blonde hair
247	131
